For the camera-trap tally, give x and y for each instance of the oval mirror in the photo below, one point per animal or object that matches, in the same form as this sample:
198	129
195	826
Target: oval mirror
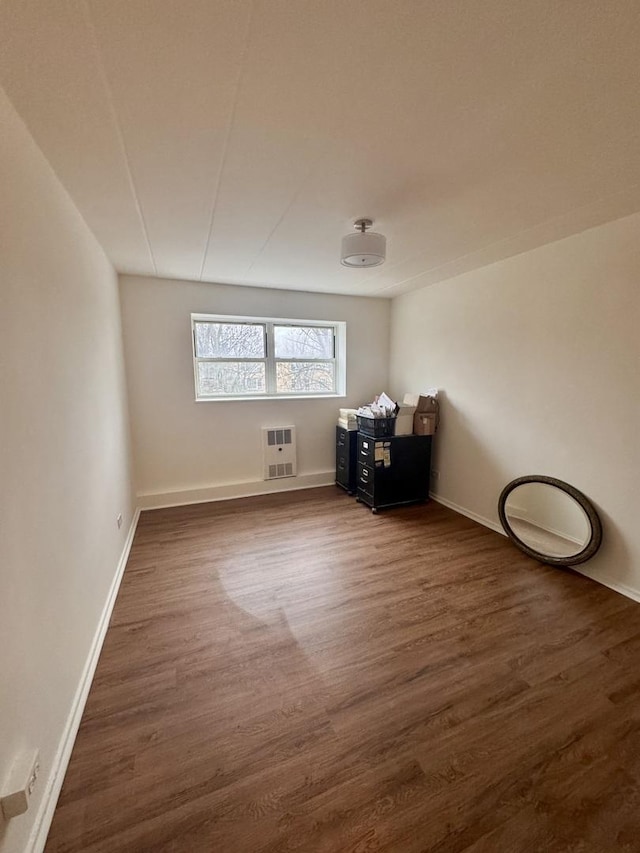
550	520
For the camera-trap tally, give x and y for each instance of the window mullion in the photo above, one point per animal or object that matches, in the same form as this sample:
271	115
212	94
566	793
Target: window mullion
293	360
236	360
271	360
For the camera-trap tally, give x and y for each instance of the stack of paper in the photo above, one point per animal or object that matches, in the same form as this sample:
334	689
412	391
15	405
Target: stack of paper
347	419
382	407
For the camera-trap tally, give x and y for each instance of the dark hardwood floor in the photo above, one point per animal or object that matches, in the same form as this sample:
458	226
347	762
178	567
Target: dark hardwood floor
294	673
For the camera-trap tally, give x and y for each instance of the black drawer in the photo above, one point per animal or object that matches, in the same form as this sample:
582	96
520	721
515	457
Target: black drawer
366	479
342	472
366	449
342	437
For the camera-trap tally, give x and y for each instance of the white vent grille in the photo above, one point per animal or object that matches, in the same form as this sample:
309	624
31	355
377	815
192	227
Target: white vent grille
285	470
279	452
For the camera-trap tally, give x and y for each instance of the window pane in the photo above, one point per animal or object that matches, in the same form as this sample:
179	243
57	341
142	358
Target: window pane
229	340
230	377
303	342
301	376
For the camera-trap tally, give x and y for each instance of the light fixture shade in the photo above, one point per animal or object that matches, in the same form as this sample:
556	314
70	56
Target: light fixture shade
363	249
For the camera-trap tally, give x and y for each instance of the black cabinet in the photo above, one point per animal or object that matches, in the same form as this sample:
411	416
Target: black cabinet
393	470
346	459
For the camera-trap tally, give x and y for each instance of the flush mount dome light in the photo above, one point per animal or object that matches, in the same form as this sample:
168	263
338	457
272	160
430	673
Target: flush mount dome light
364	248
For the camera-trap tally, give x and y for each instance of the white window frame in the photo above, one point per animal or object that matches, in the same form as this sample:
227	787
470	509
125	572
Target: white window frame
339	359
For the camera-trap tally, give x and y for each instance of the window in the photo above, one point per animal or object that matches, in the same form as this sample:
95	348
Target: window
249	357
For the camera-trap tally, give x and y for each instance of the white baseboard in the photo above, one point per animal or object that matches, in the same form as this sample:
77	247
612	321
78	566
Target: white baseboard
38	836
617	586
229	491
628	591
486	522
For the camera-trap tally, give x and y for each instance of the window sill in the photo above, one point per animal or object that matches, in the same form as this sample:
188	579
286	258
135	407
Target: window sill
272	397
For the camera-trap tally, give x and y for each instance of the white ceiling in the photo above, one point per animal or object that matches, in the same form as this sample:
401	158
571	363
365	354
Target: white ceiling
236	141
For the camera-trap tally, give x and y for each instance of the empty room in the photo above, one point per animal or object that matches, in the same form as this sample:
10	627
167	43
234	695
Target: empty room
319	370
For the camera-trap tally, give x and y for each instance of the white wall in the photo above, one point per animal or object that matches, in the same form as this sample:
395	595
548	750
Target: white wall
548	508
64	455
538	361
187	451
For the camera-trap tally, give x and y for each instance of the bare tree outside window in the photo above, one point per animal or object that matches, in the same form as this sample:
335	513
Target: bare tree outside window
229	340
231	377
304	376
263	358
223	344
304	343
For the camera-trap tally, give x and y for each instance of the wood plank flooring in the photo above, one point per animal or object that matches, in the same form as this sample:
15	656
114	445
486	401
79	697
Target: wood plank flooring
294	673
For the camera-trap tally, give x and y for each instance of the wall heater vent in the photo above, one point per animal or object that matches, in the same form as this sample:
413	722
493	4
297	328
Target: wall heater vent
279	452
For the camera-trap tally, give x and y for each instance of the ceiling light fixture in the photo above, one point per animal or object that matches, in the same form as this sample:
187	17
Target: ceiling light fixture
364	248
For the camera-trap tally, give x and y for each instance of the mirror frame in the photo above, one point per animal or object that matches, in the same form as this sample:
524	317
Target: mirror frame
594	520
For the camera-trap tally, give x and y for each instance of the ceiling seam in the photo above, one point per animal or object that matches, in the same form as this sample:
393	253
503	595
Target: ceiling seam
516	236
230	125
310	171
119	132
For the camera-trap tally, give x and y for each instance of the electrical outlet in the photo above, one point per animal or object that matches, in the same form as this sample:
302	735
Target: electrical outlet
435	475
119	520
22	781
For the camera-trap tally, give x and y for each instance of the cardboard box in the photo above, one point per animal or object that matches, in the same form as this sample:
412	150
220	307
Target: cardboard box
422	402
404	420
424	423
426	404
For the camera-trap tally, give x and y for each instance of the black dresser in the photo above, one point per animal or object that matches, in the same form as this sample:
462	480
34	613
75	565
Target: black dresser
346	459
393	470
